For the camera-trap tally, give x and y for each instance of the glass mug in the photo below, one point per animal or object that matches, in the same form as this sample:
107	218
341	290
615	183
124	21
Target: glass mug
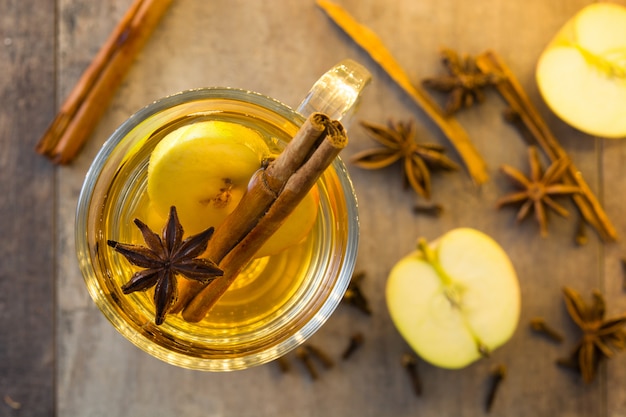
277	302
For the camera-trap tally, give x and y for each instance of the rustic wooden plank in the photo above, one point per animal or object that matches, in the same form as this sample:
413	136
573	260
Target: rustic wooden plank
26	210
83	26
614	273
197	44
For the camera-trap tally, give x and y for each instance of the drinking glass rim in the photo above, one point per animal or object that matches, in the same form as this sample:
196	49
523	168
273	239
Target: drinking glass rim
98	164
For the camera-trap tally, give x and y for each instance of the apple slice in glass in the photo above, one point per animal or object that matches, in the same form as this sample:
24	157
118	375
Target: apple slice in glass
204	168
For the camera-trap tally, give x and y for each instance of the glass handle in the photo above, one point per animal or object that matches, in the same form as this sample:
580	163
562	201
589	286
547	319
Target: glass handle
337	93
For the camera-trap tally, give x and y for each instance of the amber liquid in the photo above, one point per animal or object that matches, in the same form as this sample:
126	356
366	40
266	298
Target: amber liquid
266	288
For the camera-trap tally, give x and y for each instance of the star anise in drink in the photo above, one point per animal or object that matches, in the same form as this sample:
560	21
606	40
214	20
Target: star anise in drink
464	82
538	189
400	144
164	258
601	336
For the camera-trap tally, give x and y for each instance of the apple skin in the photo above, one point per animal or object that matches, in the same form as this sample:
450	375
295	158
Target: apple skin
455	299
581	74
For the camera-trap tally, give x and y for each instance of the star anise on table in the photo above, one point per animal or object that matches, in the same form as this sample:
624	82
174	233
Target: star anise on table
601	336
464	82
164	258
399	143
538	189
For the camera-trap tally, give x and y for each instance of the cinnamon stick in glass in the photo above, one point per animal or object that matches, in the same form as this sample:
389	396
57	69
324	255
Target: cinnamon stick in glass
266	185
89	98
263	190
325	149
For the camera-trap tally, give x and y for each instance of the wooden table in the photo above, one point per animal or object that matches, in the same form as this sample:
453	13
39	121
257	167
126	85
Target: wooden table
60	356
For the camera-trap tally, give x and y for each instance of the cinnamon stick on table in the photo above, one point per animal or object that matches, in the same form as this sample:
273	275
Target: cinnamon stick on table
513	93
88	100
272	195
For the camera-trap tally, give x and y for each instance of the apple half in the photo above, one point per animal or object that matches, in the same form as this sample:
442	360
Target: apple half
456	299
581	74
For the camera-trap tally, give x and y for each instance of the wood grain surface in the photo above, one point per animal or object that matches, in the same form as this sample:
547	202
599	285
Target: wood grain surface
60	356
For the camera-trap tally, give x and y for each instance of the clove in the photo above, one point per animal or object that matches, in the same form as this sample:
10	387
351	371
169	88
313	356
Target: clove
306	353
355	343
321	356
354	295
283	364
303	354
514	118
433	210
539	325
497	376
409	362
